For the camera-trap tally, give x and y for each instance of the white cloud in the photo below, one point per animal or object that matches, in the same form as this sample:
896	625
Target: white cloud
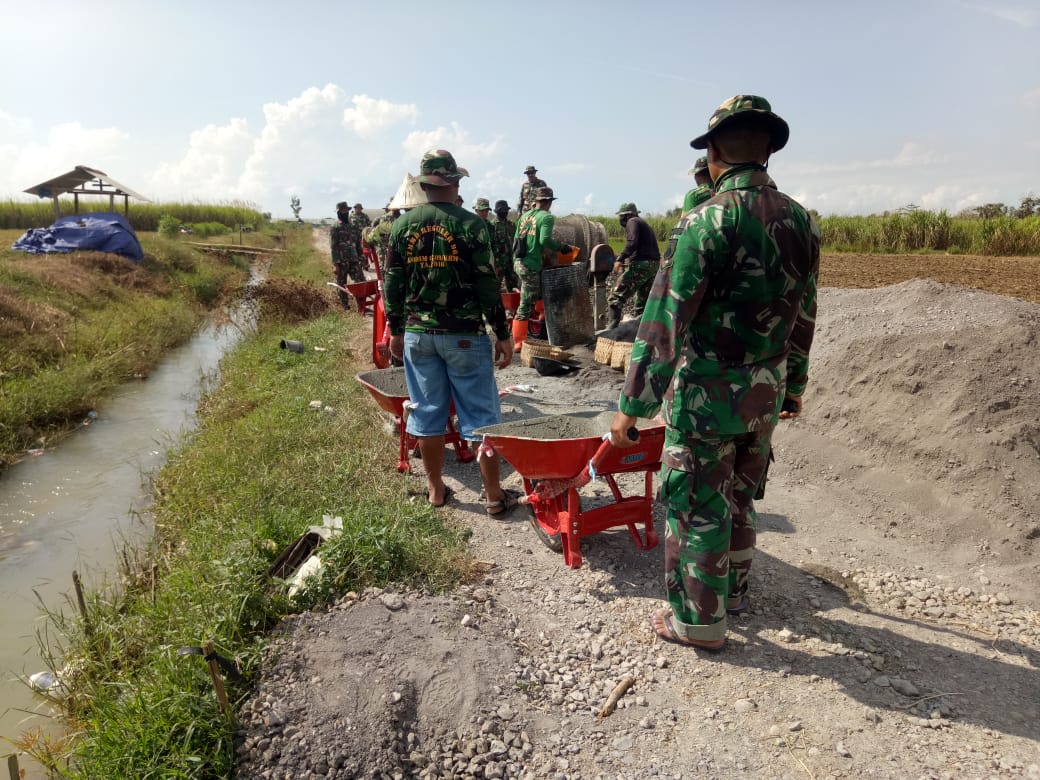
454	139
1031	99
494	185
26	162
910	155
369	115
1017	15
13	128
212	164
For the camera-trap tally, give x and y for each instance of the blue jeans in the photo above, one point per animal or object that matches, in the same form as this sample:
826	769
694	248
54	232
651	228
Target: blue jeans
445	367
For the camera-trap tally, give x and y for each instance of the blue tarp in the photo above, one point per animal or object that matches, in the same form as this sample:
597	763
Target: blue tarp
100	231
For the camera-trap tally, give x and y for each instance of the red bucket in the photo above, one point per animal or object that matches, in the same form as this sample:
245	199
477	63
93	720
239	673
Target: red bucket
511	300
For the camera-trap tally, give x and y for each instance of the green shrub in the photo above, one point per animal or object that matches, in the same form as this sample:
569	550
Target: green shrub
169	226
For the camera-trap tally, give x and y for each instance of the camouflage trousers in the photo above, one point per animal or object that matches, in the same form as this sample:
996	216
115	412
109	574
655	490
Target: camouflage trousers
530	290
710	533
507	278
348	271
635	282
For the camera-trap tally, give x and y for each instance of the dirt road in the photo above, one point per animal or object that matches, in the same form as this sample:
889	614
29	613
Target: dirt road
894	629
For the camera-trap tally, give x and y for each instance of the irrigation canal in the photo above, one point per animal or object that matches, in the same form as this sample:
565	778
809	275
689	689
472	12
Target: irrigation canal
72	507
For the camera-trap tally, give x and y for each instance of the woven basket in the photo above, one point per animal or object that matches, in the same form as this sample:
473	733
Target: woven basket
621	355
533	348
603	349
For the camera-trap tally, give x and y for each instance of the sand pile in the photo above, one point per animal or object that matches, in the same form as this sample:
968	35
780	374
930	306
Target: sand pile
939	385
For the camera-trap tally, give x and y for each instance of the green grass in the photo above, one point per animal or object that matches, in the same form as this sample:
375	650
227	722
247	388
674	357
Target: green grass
22	215
261	467
73	327
917	231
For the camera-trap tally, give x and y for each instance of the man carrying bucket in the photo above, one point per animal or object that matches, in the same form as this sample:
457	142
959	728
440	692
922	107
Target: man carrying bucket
726	337
533	240
441	289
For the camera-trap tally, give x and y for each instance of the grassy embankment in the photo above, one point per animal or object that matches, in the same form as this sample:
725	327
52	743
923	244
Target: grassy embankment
261	467
73	326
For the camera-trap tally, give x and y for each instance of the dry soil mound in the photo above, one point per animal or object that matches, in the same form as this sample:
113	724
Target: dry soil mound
938	384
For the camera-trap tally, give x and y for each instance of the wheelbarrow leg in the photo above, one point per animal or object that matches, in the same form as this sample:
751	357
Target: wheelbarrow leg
463	453
403	466
570	530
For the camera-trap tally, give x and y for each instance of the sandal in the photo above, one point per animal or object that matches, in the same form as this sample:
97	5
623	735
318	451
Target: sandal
509	501
671	635
448	495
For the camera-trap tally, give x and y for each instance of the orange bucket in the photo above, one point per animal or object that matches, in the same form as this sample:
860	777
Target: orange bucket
566	258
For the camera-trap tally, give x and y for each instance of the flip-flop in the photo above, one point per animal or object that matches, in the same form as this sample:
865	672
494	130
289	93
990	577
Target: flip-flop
510	500
449	494
673	636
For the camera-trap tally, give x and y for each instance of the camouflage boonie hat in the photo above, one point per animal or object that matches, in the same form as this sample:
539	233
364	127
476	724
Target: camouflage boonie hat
358	206
342	206
482	204
745	106
627	208
439	168
501	205
701	166
530	169
544	193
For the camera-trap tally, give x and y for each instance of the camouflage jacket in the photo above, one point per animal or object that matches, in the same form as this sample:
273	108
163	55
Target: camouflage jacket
439	274
502	233
536	227
729	322
696	197
526	202
360	221
344	241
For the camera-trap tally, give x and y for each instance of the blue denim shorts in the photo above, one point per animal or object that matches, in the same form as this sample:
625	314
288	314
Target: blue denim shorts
442	367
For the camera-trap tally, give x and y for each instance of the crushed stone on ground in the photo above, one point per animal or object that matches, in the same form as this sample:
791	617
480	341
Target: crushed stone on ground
893	629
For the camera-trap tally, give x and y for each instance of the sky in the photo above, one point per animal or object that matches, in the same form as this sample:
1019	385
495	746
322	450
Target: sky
892	102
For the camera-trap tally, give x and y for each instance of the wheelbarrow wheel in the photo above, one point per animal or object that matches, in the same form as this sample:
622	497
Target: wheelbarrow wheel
545	519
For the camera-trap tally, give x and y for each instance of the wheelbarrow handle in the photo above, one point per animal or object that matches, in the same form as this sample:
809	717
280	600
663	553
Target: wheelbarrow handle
604	448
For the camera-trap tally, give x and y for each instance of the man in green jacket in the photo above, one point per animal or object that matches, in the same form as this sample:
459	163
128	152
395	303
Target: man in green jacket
534	244
441	294
724	341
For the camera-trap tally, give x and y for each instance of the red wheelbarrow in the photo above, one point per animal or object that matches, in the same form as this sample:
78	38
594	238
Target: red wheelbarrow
556	456
388	387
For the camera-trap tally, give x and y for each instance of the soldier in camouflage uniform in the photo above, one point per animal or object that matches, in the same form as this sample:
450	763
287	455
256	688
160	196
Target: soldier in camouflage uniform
643	256
441	294
725	340
360	220
528	190
345	259
379	236
702	191
501	251
534	235
502	233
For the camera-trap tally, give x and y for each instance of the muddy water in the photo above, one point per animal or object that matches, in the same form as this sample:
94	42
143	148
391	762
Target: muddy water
71	507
